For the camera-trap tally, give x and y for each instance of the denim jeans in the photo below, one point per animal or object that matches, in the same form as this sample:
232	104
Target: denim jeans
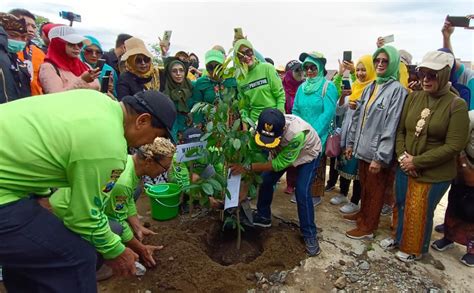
39	254
304	201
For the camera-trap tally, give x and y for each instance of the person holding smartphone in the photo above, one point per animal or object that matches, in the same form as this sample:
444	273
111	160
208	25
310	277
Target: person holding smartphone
91	54
63	69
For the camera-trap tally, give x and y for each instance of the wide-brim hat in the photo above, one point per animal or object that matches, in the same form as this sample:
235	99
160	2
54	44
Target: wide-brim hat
316	56
135	46
68	34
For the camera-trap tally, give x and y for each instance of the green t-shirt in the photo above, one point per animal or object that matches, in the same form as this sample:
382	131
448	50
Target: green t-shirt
69	139
121	204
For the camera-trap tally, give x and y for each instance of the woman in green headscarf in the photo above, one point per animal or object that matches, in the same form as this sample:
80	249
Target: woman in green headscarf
179	88
372	139
91	53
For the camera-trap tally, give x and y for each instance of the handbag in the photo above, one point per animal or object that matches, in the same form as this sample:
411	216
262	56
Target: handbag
333	142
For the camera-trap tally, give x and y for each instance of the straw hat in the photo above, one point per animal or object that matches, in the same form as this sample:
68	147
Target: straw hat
135	46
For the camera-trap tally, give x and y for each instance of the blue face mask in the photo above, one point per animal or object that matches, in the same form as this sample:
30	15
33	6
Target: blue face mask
15	46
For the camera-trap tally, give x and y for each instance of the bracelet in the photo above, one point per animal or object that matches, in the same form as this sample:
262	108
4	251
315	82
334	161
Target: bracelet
248	168
400	159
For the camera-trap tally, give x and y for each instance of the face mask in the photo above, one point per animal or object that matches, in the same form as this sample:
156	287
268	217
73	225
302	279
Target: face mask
15	46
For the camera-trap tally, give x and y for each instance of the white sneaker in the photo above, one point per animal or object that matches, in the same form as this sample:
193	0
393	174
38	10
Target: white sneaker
338	199
349	208
388	243
405	257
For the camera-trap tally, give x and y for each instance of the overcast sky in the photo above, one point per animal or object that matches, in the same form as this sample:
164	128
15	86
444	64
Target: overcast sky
280	30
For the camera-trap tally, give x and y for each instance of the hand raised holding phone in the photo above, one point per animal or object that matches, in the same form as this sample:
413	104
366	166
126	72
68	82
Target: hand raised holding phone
90	75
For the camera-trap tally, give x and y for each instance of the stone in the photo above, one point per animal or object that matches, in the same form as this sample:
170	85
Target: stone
250	277
353	278
147	291
251	291
439	265
342	262
265	287
340	283
170	258
259	276
363	265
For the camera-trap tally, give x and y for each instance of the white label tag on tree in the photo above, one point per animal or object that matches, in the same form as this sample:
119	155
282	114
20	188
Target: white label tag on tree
233	186
190	151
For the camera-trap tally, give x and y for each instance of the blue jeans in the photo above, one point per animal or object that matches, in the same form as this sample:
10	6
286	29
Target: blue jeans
304	178
39	254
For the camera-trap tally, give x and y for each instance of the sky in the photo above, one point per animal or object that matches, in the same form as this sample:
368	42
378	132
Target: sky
280	30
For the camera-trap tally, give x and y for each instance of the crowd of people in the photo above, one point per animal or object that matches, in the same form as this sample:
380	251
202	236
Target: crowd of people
82	128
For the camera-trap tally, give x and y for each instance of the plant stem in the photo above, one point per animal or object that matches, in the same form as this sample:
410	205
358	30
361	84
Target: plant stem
239	232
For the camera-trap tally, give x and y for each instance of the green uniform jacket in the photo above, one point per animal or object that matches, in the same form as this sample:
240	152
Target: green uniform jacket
69	139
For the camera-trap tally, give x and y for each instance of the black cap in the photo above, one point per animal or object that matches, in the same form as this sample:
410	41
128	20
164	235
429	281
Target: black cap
192	134
159	106
271	124
292	65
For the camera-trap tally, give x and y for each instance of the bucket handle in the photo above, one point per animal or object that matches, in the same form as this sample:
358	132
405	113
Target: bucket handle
165	205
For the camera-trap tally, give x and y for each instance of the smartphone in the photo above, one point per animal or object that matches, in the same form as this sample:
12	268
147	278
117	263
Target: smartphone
238	34
167	36
412	69
459	21
347	56
104	84
389	39
346	84
100	63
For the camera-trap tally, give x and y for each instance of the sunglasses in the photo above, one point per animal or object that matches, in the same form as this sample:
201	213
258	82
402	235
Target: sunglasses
380	60
164	168
140	60
74	45
91	51
311	67
246	53
429	75
211	66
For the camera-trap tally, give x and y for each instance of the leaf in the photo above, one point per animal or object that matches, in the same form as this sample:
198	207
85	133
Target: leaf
258	179
209	126
252	191
236	144
207	188
205	136
236	125
215	184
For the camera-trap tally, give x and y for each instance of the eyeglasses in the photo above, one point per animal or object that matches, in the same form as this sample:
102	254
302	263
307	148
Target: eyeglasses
428	74
164	168
246	53
91	51
311	67
380	60
140	60
211	67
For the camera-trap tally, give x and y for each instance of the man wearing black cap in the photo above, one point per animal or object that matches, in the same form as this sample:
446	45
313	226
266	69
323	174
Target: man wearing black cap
291	142
75	139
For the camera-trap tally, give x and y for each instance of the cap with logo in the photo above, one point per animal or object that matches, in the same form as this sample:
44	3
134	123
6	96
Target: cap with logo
271	124
292	65
67	34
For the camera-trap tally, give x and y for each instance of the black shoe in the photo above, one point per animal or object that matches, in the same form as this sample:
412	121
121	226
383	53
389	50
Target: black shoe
329	187
439	228
261	221
442	244
468	260
312	246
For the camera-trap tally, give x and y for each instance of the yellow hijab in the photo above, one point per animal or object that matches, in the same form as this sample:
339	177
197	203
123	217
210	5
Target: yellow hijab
357	86
153	73
403	75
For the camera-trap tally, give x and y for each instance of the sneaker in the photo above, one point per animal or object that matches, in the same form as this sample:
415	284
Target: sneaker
293	199
351	218
405	257
388	243
439	228
349	208
338	199
442	244
359	234
468	260
329	187
386	210
312	246
316	200
261	221
105	272
289	190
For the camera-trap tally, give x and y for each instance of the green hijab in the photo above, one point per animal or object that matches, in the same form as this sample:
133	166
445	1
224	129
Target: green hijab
311	85
178	93
241	70
392	72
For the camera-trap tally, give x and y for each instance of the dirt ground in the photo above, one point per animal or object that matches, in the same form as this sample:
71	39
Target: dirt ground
199	257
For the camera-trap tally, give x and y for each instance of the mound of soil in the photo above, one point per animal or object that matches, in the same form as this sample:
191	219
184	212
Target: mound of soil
199	257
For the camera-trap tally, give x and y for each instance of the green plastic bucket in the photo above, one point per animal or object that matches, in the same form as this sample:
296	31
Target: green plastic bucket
164	200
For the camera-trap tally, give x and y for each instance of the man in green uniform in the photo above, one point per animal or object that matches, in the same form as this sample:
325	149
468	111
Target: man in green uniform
75	139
